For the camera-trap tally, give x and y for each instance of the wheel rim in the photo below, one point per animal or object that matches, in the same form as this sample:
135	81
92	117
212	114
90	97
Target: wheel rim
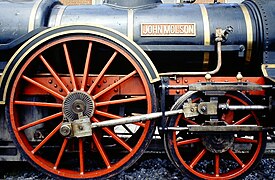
206	164
108	99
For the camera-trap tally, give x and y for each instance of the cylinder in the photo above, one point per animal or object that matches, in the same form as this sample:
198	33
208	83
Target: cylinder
174	26
19	18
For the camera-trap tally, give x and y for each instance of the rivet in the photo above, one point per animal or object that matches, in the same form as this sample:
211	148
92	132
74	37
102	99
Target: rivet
186	81
208	77
98	85
55	85
50	81
115	89
60	90
104	81
177	91
177	81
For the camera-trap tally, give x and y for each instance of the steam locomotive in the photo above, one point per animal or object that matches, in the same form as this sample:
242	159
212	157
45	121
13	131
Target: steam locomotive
83	89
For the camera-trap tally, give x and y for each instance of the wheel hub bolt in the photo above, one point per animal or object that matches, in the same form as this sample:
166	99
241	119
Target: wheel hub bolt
65	130
203	108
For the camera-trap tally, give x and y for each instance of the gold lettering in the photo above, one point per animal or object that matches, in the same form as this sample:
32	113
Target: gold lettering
168	29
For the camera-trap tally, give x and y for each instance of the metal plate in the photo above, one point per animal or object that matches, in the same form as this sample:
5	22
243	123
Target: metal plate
167	29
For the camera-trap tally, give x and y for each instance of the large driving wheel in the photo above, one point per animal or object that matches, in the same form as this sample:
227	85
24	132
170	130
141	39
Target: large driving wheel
215	155
62	86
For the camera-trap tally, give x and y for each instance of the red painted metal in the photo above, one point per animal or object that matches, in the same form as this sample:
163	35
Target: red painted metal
132	87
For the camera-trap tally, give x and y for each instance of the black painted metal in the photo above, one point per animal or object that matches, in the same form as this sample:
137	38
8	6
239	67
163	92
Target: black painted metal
16	18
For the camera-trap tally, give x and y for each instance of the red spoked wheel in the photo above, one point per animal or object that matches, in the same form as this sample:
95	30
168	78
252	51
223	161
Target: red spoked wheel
62	83
215	155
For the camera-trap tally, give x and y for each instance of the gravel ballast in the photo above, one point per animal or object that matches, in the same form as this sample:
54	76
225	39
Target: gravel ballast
155	167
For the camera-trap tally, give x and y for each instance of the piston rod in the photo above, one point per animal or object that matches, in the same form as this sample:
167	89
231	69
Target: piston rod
241	107
226	128
134	119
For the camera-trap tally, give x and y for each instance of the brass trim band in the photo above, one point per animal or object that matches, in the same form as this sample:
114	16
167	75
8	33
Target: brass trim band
59	15
206	33
130	27
33	14
264	70
249	32
77	31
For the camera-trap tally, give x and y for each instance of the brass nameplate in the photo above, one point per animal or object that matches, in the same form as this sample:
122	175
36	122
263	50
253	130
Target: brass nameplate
163	29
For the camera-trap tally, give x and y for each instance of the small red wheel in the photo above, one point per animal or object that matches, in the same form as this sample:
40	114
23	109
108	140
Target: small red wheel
75	75
220	155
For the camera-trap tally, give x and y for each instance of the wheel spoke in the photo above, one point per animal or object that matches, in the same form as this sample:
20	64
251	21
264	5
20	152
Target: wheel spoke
245	140
41	104
108	115
189	121
61	152
102	72
189	141
39	121
86	68
197	158
239	161
118	139
52	71
81	155
55	94
112	116
228	101
114	136
139	124
115	84
101	151
217	165
244	119
46	139
120	101
69	64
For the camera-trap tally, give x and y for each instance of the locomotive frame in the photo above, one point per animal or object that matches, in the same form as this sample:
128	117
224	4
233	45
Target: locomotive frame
82	101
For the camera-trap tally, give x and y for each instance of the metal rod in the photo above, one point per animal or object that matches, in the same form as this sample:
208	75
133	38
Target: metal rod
219	64
226	128
229	128
241	107
134	119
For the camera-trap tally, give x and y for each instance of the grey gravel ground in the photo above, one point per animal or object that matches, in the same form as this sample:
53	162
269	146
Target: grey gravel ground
155	168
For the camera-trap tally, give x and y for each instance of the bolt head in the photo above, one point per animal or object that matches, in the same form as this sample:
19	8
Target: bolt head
65	130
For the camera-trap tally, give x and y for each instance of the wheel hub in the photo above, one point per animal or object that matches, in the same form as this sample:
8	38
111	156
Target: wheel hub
78	104
78	108
218	143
